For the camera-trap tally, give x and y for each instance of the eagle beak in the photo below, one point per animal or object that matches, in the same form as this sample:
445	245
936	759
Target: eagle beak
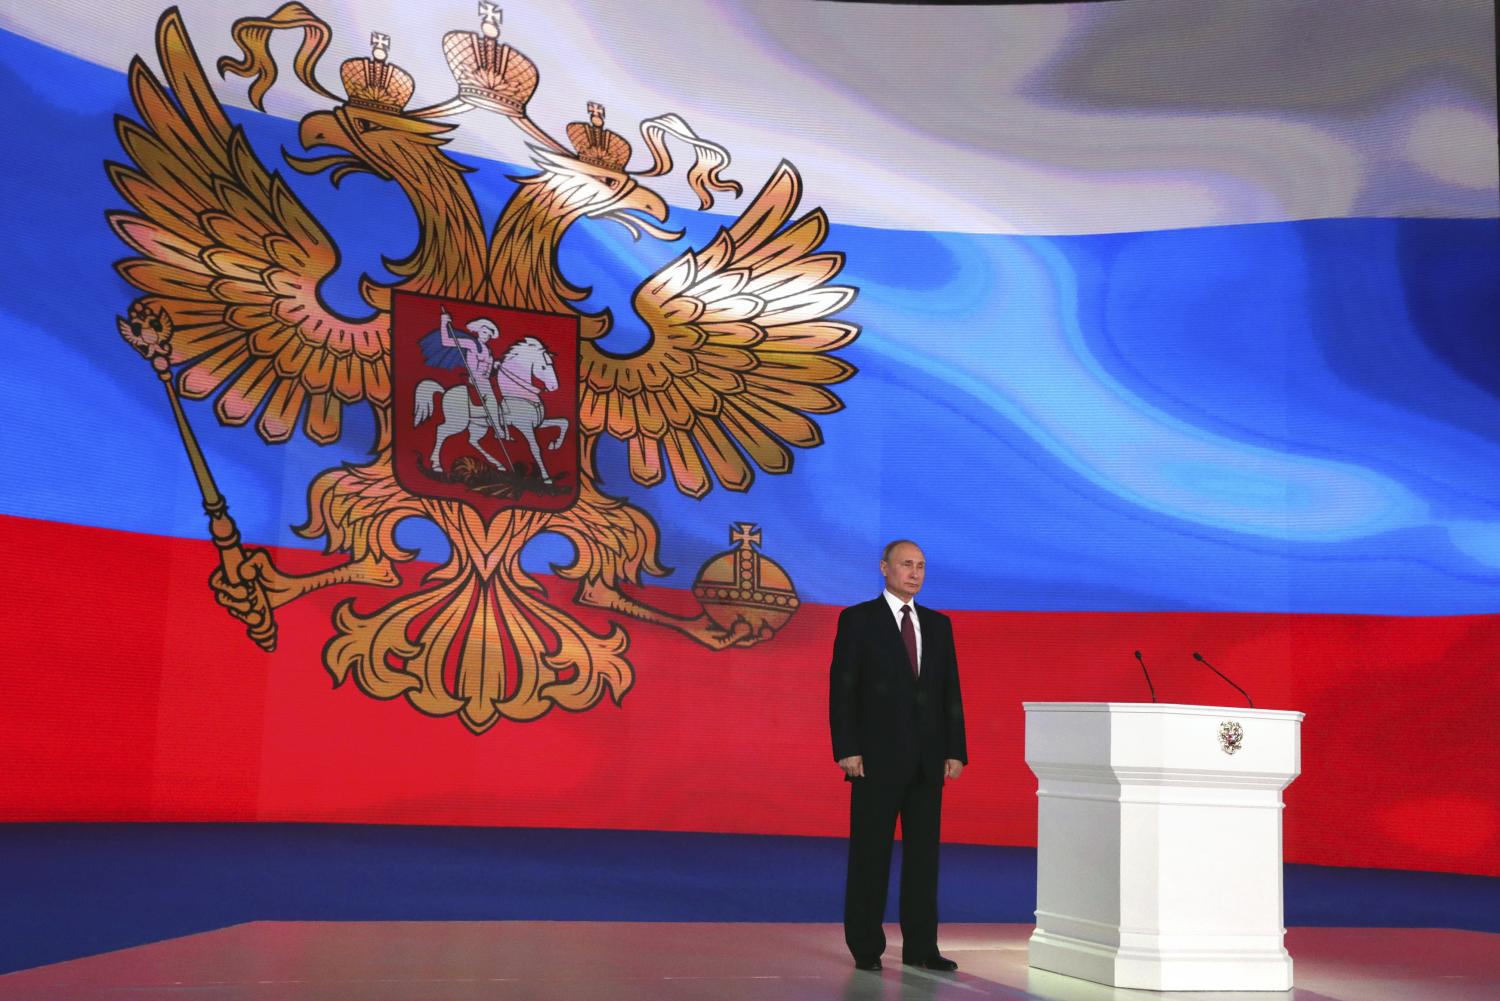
635	211
325	128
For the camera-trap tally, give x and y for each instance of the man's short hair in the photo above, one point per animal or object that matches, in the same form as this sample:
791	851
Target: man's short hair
890	547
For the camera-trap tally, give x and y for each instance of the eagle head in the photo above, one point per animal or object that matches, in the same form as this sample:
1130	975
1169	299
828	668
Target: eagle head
596	191
391	146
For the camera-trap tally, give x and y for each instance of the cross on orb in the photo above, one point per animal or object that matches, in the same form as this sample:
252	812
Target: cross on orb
746	534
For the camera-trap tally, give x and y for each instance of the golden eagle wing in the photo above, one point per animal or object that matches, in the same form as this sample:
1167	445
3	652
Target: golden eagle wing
740	353
236	260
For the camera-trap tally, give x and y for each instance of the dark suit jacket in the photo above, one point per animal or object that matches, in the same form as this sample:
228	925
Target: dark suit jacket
876	709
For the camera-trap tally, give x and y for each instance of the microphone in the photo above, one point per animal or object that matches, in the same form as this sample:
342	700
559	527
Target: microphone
1142	661
1204	661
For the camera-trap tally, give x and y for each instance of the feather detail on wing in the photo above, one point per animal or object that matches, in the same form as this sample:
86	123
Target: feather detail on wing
740	353
236	260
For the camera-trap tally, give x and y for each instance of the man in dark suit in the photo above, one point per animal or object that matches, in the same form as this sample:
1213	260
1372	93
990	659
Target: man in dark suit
898	732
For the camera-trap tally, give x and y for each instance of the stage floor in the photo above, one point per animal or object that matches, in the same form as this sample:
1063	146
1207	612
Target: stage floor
626	961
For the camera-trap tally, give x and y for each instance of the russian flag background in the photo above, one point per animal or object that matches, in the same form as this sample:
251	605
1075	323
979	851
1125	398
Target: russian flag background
1177	333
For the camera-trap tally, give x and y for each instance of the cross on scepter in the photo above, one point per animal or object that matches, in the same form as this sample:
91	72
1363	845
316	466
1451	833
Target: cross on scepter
149	331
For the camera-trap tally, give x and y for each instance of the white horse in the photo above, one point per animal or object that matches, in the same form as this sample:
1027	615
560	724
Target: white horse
526	362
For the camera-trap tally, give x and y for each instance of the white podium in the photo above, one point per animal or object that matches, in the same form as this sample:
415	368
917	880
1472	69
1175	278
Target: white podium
1159	843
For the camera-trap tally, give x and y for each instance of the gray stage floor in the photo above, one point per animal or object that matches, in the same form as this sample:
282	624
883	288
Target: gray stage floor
600	961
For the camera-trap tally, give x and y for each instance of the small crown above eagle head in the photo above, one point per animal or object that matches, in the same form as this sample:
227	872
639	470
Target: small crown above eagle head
374	83
490	74
597	145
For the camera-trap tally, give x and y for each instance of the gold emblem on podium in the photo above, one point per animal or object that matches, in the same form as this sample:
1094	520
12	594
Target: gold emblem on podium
1231	736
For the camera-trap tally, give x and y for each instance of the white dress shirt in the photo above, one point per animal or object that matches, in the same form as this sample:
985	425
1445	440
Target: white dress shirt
916	623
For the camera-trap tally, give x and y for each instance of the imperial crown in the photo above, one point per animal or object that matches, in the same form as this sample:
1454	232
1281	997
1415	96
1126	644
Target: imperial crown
597	145
374	83
490	75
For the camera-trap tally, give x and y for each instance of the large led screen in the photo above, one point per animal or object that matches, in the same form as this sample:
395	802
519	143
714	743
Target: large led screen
417	417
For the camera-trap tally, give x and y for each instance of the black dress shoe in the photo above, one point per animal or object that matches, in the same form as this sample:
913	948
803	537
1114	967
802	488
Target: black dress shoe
868	965
942	964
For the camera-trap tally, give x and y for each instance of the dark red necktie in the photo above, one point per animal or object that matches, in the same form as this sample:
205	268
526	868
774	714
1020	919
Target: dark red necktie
909	637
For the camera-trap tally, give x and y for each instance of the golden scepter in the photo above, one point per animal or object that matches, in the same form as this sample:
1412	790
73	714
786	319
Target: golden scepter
149	331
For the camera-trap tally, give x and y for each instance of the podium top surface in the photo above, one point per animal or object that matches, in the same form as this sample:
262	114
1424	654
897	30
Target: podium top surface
1159	709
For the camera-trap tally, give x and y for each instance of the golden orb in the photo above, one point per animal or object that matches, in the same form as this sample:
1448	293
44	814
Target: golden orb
745	586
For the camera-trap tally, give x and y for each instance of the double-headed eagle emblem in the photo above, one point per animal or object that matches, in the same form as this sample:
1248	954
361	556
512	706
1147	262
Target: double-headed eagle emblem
230	264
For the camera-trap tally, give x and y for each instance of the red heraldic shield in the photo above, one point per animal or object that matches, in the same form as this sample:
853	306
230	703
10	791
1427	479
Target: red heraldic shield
486	403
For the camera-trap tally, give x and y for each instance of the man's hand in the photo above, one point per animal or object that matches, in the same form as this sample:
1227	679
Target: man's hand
853	766
952	768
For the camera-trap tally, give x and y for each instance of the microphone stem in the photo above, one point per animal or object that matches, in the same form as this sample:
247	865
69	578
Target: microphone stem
1142	661
1204	661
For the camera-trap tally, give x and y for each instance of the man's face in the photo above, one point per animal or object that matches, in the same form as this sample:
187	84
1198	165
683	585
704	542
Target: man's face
904	571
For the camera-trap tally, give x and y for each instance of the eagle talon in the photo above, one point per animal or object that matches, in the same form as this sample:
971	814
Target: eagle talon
259	589
700	628
738	633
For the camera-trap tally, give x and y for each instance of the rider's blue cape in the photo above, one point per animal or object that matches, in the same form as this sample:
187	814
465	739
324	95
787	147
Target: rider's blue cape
439	355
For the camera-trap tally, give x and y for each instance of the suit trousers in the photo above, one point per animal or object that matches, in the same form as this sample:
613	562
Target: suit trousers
873	809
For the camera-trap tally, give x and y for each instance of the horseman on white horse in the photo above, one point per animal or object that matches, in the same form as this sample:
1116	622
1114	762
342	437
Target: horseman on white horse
525	363
470	350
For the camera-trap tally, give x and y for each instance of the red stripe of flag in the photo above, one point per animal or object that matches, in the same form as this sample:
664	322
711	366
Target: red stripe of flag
132	696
